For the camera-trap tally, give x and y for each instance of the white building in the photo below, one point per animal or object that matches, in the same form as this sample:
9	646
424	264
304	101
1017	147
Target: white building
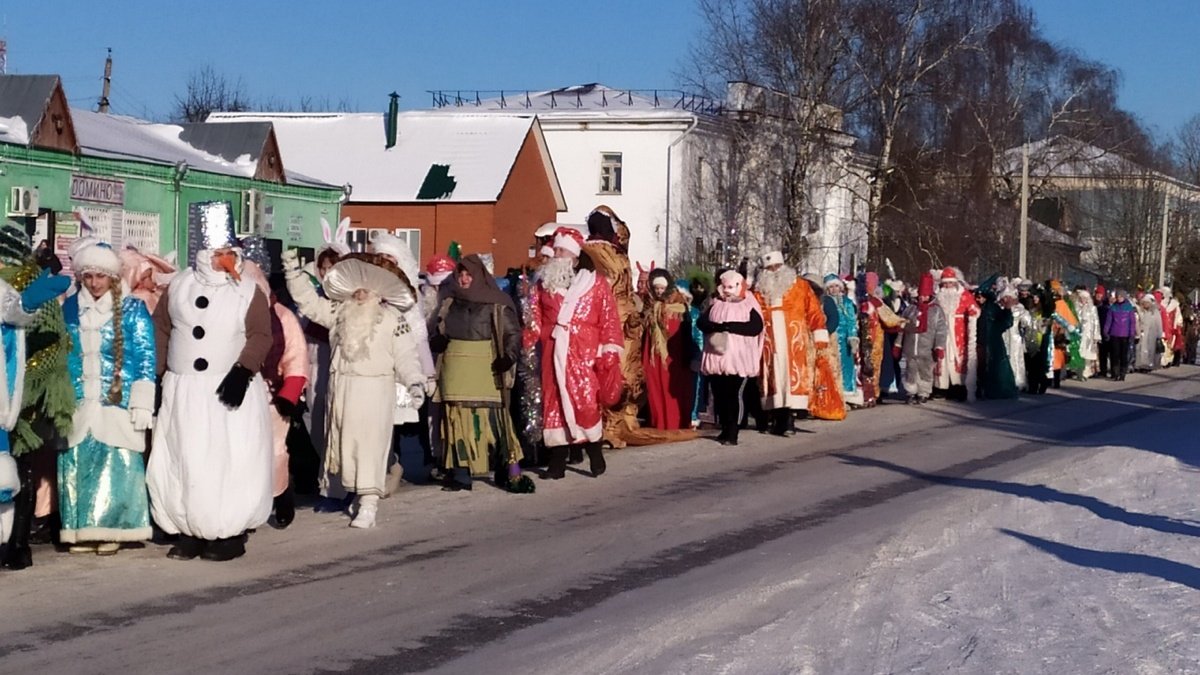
662	160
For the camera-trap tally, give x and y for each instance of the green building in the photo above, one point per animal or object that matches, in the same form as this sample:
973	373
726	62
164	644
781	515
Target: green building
131	181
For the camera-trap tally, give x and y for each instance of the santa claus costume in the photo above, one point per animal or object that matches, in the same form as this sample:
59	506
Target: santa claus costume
958	374
794	331
210	474
576	320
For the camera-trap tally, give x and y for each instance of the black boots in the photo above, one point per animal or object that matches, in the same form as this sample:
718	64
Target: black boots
18	555
187	548
557	466
575	454
223	550
596	459
285	509
781	423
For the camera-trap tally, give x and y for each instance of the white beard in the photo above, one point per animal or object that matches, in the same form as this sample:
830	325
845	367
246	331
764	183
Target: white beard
774	285
557	274
356	322
949	298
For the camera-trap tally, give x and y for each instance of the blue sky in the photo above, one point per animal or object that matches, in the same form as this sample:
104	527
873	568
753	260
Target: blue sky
361	51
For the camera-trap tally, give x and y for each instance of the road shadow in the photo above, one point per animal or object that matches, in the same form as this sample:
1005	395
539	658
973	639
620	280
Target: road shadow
1114	561
1108	416
1040	493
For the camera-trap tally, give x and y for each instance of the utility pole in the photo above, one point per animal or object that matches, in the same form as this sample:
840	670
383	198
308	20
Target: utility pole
1024	208
107	82
1162	252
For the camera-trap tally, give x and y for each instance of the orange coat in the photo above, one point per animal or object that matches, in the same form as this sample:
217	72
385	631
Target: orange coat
789	354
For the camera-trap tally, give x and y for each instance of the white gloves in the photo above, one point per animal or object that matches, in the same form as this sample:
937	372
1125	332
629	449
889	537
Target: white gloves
417	393
142	419
291	262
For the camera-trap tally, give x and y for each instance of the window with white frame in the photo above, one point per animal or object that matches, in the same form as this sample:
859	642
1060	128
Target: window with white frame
610	173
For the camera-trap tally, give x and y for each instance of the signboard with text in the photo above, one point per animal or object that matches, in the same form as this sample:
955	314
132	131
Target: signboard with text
97	190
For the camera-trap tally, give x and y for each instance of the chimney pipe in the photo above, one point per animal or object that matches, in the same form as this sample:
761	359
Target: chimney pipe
393	111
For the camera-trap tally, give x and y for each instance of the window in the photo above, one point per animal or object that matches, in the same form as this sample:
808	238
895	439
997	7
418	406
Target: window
610	173
413	238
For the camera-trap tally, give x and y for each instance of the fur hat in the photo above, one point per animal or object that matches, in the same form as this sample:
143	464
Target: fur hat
948	274
834	280
92	255
771	258
439	268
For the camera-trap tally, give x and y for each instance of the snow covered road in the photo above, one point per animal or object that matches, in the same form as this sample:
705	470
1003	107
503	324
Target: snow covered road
1051	535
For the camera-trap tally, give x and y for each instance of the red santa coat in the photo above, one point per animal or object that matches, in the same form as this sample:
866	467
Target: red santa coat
793	324
580	332
959	365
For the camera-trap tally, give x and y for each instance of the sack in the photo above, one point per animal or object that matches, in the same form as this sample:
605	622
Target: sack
1159	347
612	383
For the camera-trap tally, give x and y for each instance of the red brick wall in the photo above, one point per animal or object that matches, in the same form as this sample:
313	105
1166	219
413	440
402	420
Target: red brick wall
504	229
526	202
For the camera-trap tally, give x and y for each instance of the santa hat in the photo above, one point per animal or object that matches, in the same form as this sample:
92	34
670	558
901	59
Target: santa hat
569	240
547	251
772	258
92	255
948	274
1100	290
439	268
926	287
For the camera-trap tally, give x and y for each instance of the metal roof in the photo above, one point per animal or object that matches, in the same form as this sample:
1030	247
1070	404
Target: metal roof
24	98
479	151
230	142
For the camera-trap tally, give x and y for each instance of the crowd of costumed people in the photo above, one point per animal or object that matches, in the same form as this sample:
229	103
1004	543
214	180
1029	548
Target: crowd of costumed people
189	407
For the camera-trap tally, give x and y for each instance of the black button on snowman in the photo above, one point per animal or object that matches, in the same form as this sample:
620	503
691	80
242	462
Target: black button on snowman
200	365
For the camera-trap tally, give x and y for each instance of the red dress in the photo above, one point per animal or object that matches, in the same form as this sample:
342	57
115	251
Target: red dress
667	363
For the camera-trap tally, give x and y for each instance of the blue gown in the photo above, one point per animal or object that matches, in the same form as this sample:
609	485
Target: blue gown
102	475
841	320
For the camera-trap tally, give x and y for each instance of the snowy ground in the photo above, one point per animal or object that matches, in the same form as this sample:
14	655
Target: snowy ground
1054	535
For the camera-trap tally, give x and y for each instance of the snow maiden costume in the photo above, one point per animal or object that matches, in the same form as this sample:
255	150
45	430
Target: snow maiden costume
841	320
102	496
667	353
210	472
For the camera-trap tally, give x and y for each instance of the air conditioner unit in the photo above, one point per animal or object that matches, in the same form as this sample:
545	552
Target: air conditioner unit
23	202
252	213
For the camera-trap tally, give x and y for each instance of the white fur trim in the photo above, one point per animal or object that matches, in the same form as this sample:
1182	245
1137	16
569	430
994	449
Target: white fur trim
580	286
972	376
565	241
141	394
820	335
772	258
99	534
558	436
613	349
96	258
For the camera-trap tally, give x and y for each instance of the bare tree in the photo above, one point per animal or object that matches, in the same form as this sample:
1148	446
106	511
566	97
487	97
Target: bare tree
208	91
1187	150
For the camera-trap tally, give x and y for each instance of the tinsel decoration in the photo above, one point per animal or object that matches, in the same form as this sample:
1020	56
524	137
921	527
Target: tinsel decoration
254	249
527	391
49	395
522	485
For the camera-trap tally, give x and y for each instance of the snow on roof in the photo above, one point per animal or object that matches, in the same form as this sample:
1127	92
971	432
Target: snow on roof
14	130
120	137
479	151
1063	156
129	138
580	101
